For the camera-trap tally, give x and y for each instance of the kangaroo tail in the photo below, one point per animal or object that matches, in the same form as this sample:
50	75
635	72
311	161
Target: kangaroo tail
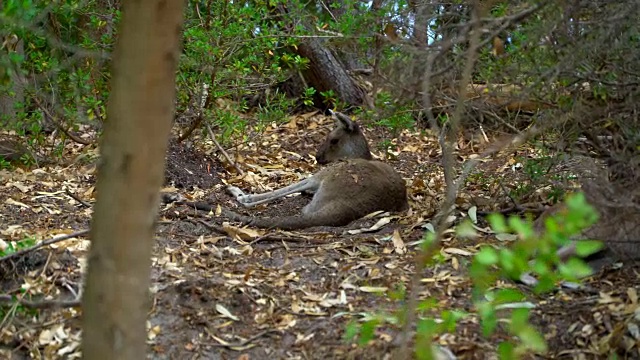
280	222
319	218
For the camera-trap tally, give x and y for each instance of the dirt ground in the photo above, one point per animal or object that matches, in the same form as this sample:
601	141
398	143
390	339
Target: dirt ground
226	292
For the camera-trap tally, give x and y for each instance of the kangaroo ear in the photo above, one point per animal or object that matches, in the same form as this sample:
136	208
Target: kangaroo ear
344	122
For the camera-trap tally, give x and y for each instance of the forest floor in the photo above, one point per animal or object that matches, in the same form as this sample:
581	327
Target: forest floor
228	292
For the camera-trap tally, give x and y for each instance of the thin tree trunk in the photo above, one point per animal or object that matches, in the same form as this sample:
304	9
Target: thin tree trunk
377	51
15	94
140	113
421	10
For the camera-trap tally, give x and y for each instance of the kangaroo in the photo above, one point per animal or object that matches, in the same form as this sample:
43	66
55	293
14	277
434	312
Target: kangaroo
351	187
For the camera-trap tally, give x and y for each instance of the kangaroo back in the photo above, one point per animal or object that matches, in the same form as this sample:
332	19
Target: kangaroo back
345	141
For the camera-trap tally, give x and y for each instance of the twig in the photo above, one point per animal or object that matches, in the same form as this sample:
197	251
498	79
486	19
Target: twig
448	163
509	210
278	237
69	285
76	198
44	243
211	227
504	189
198	205
244	342
194	125
57	123
224	153
45	304
46	264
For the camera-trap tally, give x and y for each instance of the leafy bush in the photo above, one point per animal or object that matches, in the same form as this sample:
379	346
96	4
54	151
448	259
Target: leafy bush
236	49
532	253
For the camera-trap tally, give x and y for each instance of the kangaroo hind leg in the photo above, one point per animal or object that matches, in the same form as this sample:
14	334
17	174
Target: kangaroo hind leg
250	200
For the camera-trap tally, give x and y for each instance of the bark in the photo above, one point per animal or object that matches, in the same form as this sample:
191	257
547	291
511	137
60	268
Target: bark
376	5
325	72
134	143
422	11
421	24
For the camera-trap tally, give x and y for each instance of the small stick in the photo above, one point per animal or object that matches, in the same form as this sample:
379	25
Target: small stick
76	198
244	342
278	237
45	304
57	123
508	210
504	189
211	227
46	264
224	153
44	243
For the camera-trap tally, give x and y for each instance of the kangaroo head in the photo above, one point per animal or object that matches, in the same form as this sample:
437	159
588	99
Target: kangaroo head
345	141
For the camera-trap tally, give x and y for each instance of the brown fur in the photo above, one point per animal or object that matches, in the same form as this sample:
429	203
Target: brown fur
344	191
345	141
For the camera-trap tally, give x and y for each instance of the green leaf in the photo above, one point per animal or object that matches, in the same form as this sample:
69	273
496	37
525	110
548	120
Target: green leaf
481	276
488	318
506	351
466	230
532	339
427	304
541	268
423	349
398	292
519	319
523	228
429	239
450	320
507	260
503	296
351	331
367	330
498	224
545	284
426	328
574	269
585	248
487	256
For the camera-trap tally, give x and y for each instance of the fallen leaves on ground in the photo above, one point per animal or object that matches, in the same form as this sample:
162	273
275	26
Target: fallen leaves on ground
251	293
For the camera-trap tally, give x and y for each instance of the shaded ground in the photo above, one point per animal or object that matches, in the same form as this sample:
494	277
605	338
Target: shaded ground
280	295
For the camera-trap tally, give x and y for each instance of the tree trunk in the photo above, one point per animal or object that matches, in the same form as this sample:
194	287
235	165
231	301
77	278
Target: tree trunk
326	73
134	143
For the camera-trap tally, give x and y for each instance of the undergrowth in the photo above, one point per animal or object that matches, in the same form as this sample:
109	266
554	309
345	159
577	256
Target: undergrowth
531	254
